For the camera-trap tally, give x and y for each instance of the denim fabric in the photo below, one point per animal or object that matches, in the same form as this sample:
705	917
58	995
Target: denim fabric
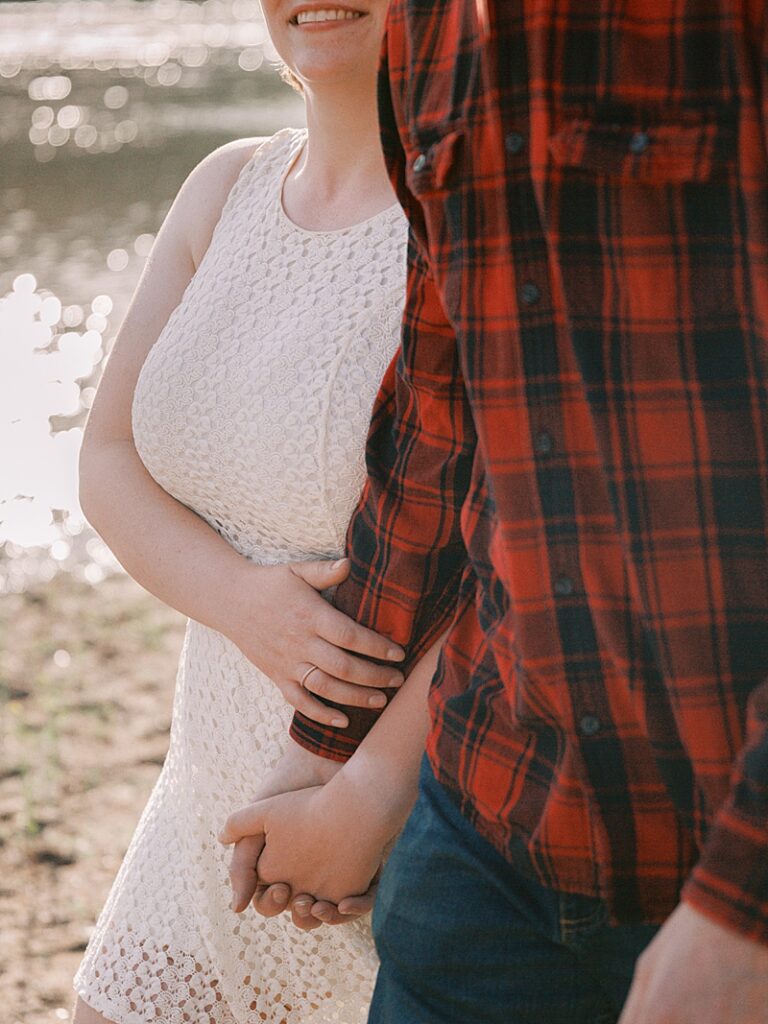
465	938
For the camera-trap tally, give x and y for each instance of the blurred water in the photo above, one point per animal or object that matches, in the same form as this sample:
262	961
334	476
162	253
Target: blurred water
104	109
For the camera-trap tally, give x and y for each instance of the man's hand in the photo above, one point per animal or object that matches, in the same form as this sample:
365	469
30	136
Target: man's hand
309	913
698	972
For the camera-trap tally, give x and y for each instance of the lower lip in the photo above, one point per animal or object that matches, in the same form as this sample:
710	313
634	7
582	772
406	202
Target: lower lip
318	26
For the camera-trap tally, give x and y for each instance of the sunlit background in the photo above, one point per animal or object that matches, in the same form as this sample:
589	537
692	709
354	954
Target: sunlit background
104	109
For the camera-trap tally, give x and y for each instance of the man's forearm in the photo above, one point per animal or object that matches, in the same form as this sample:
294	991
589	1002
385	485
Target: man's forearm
405	541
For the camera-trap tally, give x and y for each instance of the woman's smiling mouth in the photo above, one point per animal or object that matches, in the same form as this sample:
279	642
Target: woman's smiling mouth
325	14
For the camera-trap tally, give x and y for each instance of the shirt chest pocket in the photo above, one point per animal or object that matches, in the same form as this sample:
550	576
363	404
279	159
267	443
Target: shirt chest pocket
657	153
438	165
656	203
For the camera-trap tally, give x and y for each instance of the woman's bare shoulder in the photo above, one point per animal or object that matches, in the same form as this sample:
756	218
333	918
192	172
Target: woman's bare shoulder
206	189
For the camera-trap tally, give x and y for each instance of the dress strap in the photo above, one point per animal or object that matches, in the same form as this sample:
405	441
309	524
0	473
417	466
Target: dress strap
268	161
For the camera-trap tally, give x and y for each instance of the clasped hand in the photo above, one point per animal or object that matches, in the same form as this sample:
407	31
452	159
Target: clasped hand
320	841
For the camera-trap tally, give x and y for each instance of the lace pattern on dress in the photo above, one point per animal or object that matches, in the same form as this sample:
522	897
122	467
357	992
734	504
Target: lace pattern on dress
252	408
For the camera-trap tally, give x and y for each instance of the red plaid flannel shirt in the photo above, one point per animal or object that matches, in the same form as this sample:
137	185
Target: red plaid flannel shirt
574	438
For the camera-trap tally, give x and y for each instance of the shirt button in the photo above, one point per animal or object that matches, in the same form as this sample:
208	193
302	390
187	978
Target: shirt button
420	162
544	443
564	586
639	142
530	293
514	143
589	725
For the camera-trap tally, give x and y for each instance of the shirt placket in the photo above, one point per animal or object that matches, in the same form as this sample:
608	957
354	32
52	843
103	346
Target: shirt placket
555	486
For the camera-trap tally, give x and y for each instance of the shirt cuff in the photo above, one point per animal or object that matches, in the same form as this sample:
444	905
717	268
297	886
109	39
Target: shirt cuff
332	743
730	882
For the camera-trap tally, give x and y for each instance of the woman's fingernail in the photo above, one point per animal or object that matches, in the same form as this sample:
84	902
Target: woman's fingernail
396	680
338	565
340	722
395	653
236	900
302	909
281	896
378	700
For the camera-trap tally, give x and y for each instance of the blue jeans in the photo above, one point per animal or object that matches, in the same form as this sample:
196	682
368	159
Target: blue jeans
465	938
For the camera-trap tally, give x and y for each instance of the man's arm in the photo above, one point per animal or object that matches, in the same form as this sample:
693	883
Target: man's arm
329	840
709	962
404	541
730	882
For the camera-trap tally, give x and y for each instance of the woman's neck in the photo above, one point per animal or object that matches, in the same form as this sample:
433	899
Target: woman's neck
340	177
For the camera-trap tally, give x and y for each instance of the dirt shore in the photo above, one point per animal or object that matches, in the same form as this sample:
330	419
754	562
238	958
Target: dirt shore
86	684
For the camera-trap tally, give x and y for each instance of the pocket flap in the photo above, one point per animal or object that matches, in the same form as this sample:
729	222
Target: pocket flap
645	153
434	168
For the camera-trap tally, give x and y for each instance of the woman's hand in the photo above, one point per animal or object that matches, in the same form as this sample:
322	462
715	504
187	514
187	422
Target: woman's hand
321	840
327	840
282	624
297	769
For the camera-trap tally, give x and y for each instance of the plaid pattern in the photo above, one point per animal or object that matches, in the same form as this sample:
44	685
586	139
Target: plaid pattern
575	437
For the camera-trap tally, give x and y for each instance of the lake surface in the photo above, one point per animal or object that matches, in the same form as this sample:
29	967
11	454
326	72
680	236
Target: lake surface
105	107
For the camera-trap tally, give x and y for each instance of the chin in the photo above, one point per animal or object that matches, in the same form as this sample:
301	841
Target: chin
319	73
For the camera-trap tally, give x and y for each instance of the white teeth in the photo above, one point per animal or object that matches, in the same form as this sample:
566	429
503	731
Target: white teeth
327	15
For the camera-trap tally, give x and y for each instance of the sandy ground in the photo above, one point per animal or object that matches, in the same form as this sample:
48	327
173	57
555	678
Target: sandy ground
86	684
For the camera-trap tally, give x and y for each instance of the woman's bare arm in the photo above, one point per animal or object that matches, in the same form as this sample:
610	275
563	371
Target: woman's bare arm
328	839
274	614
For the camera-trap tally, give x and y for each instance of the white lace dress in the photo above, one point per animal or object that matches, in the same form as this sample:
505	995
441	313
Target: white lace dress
252	408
